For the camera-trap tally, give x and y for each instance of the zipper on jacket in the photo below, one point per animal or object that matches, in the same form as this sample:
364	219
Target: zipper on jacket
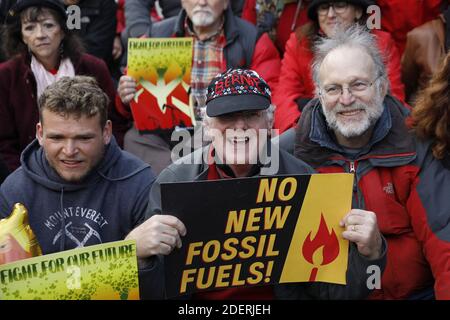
352	169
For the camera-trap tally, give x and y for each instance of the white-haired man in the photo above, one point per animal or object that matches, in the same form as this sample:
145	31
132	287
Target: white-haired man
355	126
239	119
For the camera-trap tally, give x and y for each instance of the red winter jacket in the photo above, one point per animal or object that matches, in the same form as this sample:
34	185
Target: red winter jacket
296	82
398	17
385	177
19	112
430	208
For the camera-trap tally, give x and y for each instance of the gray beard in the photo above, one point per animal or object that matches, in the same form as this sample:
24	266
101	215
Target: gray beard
373	111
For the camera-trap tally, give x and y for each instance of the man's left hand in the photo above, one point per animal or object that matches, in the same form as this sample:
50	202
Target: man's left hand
361	227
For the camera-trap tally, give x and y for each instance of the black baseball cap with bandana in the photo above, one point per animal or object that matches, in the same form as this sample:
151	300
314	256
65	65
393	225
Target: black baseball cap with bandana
237	90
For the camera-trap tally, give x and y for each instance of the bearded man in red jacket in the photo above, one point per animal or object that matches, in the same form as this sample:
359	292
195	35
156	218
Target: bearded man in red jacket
355	126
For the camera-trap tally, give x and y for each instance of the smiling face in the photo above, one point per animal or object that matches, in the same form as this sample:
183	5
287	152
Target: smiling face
73	146
43	36
332	20
350	114
236	136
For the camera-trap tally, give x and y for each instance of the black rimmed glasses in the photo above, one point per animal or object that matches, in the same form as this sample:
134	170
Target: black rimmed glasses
338	7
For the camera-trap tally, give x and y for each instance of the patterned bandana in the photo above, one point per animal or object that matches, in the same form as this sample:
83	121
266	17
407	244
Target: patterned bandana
237	90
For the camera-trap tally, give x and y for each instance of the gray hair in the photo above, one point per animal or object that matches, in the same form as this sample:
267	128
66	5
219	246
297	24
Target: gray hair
355	36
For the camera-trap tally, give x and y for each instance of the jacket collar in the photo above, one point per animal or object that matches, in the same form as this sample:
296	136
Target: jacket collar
390	140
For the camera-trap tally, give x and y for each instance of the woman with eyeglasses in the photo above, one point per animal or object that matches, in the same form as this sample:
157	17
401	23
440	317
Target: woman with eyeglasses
41	50
295	87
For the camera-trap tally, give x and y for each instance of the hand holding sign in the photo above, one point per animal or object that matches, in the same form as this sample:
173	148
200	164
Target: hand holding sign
126	89
160	234
257	231
362	228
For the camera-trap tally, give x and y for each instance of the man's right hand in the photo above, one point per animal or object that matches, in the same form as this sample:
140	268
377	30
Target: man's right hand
126	89
160	234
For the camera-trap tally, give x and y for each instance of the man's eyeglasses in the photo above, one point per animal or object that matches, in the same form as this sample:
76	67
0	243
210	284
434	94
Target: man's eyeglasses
338	7
356	88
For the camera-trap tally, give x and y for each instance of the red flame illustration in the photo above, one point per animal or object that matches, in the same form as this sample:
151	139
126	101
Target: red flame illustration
324	239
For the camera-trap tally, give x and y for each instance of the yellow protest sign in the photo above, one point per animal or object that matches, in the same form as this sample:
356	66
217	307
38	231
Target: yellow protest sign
258	231
104	271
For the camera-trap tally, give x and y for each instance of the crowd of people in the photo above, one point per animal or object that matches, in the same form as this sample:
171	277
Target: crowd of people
344	98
